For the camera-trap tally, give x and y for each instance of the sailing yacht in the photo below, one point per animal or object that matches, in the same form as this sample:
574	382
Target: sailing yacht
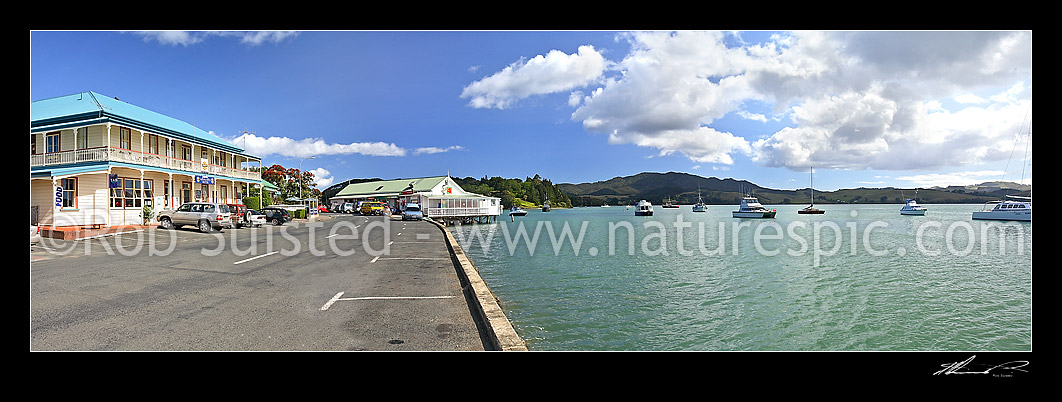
811	208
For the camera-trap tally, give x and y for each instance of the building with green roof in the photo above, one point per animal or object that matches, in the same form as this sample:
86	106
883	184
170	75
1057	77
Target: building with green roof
96	160
438	196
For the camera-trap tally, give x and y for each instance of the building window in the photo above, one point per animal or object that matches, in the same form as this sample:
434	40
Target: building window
224	193
131	193
51	141
70	193
186	192
33	144
186	152
153	144
125	138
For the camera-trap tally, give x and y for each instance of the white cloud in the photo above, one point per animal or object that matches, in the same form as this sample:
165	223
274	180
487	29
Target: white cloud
306	147
186	38
952	179
323	178
554	72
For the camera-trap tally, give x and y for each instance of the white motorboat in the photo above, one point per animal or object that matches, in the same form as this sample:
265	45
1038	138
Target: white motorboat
751	208
699	206
517	211
643	208
1006	210
912	208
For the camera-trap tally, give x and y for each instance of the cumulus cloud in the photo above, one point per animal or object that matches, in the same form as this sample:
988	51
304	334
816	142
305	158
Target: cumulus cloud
542	74
849	100
306	147
323	178
187	38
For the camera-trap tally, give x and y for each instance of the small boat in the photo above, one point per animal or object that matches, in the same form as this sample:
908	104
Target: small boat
545	206
811	208
517	211
1007	210
604	205
643	208
912	208
669	204
751	208
699	206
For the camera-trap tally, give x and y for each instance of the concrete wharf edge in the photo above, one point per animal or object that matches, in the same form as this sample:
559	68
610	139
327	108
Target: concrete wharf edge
500	330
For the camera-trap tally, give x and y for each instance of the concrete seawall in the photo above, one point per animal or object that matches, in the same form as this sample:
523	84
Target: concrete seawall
500	330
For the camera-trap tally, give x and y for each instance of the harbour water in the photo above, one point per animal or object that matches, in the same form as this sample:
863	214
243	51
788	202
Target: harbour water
858	278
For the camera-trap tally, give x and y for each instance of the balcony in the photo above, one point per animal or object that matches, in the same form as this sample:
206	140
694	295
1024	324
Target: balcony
459	211
112	154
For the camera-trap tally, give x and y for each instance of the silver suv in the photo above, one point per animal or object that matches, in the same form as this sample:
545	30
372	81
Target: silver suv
207	216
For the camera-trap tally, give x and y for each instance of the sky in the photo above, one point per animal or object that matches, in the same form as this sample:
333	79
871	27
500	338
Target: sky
863	108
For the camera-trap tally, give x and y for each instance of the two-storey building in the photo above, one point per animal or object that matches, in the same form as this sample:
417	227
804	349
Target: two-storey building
97	161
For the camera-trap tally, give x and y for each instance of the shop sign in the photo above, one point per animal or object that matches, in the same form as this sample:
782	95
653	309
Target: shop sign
113	181
204	179
58	196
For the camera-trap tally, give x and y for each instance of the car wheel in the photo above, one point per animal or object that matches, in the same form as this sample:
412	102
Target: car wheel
276	222
165	223
204	226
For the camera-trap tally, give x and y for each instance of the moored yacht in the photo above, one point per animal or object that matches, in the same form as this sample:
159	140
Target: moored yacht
643	208
515	210
1007	210
912	208
751	208
669	204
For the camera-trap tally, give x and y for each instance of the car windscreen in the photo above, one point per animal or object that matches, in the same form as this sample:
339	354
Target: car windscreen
413	209
223	208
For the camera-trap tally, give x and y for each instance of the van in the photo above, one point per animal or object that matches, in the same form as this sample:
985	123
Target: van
347	208
372	208
412	212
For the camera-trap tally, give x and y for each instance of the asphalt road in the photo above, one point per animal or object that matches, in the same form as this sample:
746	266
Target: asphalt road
347	283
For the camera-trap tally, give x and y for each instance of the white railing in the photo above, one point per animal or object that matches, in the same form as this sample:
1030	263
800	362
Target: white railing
102	154
462	211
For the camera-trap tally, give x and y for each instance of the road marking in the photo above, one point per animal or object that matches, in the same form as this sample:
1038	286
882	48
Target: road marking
413	258
390	242
423	236
374	259
339	297
332	235
255	258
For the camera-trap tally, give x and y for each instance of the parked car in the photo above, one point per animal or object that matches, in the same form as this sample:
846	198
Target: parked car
207	216
322	208
35	234
238	215
347	208
412	212
255	218
372	208
276	216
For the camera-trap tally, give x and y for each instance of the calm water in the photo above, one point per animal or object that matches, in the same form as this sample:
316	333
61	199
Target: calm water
856	278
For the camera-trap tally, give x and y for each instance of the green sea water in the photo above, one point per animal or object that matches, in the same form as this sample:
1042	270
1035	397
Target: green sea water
859	277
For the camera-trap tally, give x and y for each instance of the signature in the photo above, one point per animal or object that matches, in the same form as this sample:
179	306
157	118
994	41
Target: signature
960	367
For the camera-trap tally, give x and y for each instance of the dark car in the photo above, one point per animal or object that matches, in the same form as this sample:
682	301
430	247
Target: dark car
276	216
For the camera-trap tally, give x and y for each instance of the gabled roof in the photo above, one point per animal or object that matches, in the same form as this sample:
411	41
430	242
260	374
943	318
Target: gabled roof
389	187
93	108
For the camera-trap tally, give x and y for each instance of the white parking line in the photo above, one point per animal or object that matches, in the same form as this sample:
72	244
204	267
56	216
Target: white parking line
339	297
255	258
374	259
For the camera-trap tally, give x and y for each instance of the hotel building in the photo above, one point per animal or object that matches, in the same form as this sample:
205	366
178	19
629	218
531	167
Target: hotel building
96	161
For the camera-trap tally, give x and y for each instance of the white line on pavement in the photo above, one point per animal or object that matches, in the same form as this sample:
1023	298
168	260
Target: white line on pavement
254	258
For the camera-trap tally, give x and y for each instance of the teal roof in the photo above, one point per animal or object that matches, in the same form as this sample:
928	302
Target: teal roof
93	108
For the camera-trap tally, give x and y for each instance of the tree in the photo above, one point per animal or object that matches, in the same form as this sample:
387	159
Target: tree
291	181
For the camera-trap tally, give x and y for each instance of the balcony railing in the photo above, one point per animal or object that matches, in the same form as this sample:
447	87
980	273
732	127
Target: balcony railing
112	154
480	211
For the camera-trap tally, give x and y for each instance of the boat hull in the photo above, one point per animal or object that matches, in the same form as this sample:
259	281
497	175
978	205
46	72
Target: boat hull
1024	216
811	212
700	209
643	213
754	214
915	212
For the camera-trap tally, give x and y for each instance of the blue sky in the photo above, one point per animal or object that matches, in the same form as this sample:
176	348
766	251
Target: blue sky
872	109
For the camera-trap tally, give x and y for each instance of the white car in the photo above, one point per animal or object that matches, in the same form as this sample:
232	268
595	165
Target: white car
35	234
255	218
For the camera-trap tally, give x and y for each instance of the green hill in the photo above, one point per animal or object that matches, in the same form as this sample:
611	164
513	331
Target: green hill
682	188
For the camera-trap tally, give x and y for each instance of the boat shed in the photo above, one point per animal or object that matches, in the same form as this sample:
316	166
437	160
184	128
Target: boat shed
439	197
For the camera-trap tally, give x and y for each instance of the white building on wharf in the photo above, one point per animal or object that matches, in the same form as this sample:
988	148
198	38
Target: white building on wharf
439	197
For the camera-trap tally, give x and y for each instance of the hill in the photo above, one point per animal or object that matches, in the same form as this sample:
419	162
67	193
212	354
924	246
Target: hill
682	188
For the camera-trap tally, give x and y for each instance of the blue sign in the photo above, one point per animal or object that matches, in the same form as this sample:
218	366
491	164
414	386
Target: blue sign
113	181
204	179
